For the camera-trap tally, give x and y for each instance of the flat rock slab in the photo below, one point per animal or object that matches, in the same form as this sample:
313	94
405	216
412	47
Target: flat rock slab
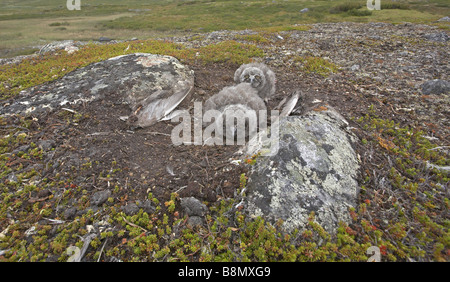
153	85
313	169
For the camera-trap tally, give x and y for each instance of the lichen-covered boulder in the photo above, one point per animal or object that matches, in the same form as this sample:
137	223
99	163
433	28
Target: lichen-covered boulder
153	85
312	169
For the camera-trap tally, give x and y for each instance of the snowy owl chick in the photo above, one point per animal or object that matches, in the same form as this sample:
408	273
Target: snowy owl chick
236	106
259	76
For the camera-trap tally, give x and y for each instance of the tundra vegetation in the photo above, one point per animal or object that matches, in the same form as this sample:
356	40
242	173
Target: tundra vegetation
403	203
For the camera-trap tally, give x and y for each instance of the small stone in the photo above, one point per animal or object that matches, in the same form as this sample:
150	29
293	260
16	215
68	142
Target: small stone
355	67
193	206
147	206
130	209
23	149
71	49
44	193
100	197
305	10
104	39
70	213
195	221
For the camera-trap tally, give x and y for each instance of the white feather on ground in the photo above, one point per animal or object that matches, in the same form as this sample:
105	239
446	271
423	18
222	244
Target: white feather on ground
160	104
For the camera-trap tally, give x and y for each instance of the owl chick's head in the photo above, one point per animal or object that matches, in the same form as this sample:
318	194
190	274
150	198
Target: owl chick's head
254	76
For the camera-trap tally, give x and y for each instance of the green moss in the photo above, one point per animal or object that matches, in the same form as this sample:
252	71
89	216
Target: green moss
345	7
384	5
255	38
316	65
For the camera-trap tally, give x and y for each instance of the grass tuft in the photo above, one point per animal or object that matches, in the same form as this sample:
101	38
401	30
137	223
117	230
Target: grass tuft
345	7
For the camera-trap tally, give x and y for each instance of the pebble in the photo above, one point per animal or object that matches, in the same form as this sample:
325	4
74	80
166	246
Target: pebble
104	39
100	197
23	148
355	67
70	213
193	206
130	209
195	221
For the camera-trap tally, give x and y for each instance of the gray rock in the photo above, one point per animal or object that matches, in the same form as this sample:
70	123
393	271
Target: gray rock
305	10
130	209
70	213
195	221
44	193
46	145
153	86
147	206
355	67
193	206
435	86
313	168
71	49
100	197
104	39
444	19
23	148
57	45
438	37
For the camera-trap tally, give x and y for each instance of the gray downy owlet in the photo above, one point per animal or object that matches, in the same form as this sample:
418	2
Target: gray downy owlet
240	102
259	76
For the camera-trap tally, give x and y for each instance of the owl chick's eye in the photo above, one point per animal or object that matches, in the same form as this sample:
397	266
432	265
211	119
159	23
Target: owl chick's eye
257	77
